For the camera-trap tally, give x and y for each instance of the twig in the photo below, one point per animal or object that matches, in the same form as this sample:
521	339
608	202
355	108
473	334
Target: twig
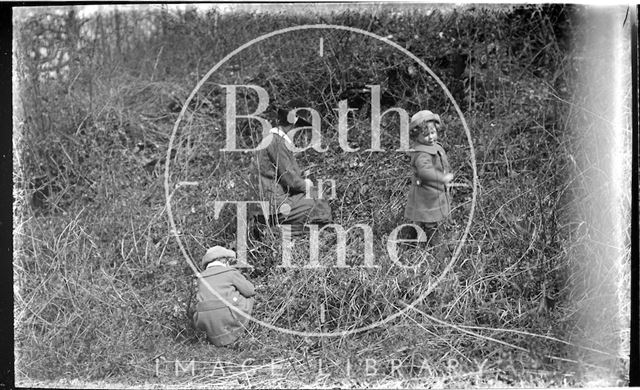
537	335
463	330
155	65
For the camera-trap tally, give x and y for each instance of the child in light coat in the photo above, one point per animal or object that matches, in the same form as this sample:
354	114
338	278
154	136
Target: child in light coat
428	201
222	324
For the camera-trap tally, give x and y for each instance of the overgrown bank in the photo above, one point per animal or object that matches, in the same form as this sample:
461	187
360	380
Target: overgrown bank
102	288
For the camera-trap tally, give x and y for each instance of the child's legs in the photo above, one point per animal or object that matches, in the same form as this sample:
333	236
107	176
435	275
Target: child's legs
431	231
410	233
440	240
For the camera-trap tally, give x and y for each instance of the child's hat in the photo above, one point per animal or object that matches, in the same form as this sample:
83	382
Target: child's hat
216	252
424	116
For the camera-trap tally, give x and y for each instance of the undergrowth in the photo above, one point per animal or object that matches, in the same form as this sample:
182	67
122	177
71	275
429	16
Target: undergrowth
102	288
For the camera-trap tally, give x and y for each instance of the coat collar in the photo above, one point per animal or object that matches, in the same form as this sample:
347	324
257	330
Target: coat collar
431	149
277	130
216	271
216	263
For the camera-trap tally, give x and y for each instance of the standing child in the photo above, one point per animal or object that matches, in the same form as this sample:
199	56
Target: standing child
222	324
428	201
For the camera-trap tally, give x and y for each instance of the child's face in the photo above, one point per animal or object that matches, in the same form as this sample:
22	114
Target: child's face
427	133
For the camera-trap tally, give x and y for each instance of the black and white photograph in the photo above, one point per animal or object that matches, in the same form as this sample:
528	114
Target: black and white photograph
323	195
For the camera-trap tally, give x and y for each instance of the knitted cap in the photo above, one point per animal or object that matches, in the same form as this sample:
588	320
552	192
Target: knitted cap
423	116
216	252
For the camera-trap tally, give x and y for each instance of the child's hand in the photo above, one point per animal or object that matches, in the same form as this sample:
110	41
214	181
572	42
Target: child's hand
447	178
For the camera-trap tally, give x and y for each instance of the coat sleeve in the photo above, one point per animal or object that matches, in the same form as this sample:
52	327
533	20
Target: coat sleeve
426	171
445	162
287	174
244	286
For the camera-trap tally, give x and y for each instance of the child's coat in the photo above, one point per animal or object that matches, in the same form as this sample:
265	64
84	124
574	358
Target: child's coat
281	183
222	324
428	199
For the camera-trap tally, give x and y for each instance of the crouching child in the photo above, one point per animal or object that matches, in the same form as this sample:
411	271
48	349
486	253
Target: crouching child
222	324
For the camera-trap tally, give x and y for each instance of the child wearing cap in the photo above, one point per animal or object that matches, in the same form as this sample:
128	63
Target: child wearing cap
222	324
428	200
